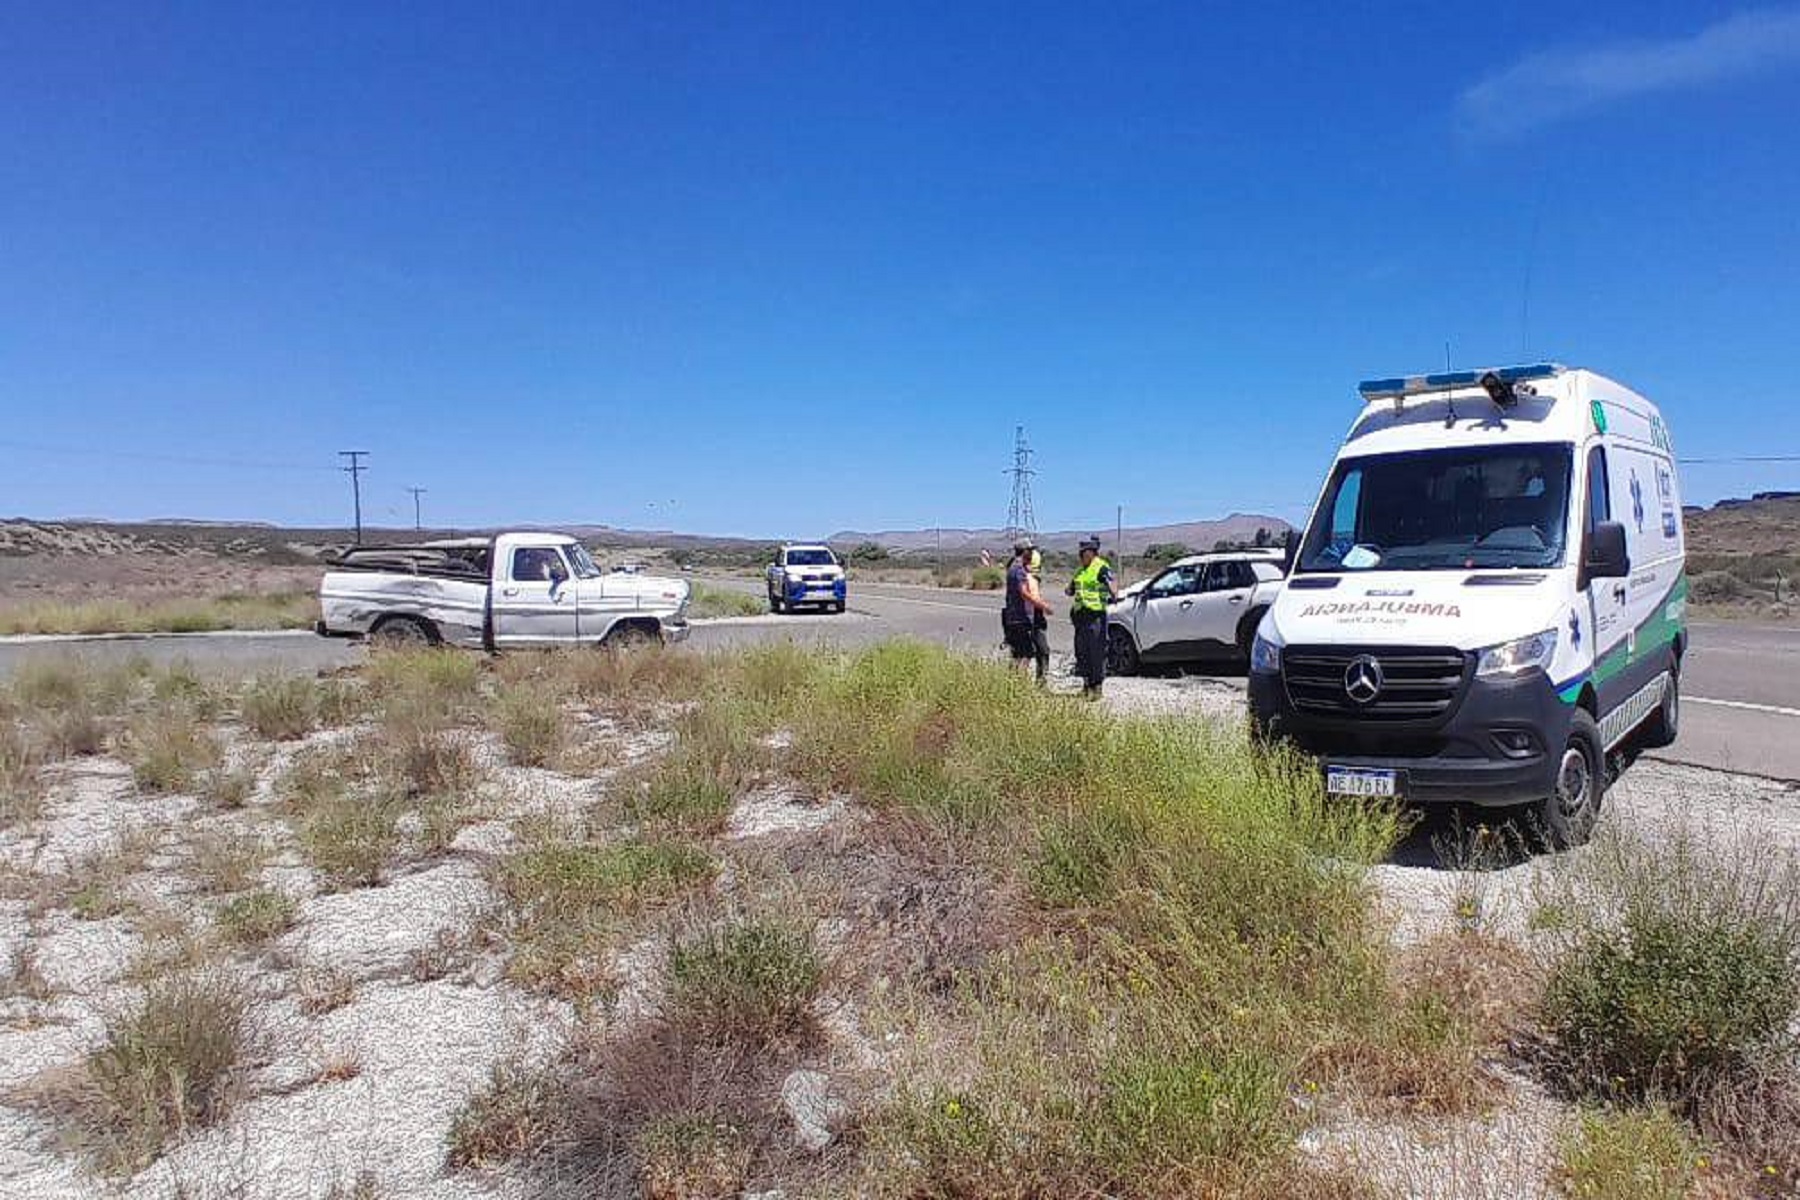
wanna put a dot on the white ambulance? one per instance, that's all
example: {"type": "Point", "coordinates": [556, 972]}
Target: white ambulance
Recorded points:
{"type": "Point", "coordinates": [1489, 599]}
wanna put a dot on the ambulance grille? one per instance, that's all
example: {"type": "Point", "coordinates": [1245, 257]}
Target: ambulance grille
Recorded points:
{"type": "Point", "coordinates": [1417, 684]}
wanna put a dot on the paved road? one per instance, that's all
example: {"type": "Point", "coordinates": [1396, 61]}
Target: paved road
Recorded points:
{"type": "Point", "coordinates": [1741, 688]}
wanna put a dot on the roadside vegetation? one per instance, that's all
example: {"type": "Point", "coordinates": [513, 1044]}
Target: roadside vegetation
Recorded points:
{"type": "Point", "coordinates": [887, 923]}
{"type": "Point", "coordinates": [708, 601]}
{"type": "Point", "coordinates": [199, 614]}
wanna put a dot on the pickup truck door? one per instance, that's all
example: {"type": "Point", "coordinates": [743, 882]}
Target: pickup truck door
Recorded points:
{"type": "Point", "coordinates": [1224, 599]}
{"type": "Point", "coordinates": [534, 598]}
{"type": "Point", "coordinates": [1166, 611]}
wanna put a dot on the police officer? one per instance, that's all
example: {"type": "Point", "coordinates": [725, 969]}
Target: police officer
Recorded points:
{"type": "Point", "coordinates": [1092, 589]}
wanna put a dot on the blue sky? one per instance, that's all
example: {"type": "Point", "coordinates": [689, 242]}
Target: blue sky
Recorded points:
{"type": "Point", "coordinates": [782, 269]}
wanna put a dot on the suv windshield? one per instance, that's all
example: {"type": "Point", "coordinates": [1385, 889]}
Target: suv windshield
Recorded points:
{"type": "Point", "coordinates": [1436, 510]}
{"type": "Point", "coordinates": [810, 558]}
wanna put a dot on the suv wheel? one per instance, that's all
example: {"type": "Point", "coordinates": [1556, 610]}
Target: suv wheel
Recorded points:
{"type": "Point", "coordinates": [1121, 652]}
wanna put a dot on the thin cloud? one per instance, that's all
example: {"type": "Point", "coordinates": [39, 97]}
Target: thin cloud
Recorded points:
{"type": "Point", "coordinates": [1555, 84]}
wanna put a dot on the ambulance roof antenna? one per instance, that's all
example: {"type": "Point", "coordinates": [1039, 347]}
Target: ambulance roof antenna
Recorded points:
{"type": "Point", "coordinates": [1020, 520]}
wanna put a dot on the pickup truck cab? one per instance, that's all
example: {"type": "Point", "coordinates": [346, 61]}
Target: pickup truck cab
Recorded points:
{"type": "Point", "coordinates": [513, 589]}
{"type": "Point", "coordinates": [806, 573]}
{"type": "Point", "coordinates": [1204, 607]}
{"type": "Point", "coordinates": [1490, 598]}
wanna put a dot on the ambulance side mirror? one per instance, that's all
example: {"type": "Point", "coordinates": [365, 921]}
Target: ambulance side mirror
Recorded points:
{"type": "Point", "coordinates": [1606, 554]}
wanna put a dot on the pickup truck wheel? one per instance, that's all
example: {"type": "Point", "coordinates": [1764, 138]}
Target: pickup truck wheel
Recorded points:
{"type": "Point", "coordinates": [401, 631]}
{"type": "Point", "coordinates": [1121, 652]}
{"type": "Point", "coordinates": [774, 602]}
{"type": "Point", "coordinates": [629, 637]}
{"type": "Point", "coordinates": [837, 606]}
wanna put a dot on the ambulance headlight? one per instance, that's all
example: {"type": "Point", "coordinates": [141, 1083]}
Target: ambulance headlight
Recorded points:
{"type": "Point", "coordinates": [1509, 660]}
{"type": "Point", "coordinates": [1265, 649]}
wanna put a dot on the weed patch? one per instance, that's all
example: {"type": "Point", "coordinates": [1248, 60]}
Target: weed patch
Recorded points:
{"type": "Point", "coordinates": [1634, 1154]}
{"type": "Point", "coordinates": [256, 917]}
{"type": "Point", "coordinates": [519, 1113]}
{"type": "Point", "coordinates": [692, 1157]}
{"type": "Point", "coordinates": [532, 726]}
{"type": "Point", "coordinates": [747, 981]}
{"type": "Point", "coordinates": [281, 707]}
{"type": "Point", "coordinates": [169, 750]}
{"type": "Point", "coordinates": [169, 1068]}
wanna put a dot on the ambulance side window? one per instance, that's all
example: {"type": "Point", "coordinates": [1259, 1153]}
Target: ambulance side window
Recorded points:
{"type": "Point", "coordinates": [1599, 505]}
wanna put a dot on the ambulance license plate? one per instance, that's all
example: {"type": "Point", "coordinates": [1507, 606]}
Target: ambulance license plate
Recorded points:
{"type": "Point", "coordinates": [1360, 781]}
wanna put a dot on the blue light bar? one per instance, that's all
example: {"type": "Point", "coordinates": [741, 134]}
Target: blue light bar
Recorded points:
{"type": "Point", "coordinates": [1416, 385]}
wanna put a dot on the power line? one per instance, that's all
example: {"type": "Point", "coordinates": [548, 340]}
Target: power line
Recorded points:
{"type": "Point", "coordinates": [183, 460]}
{"type": "Point", "coordinates": [1746, 458]}
{"type": "Point", "coordinates": [416, 493]}
{"type": "Point", "coordinates": [355, 470]}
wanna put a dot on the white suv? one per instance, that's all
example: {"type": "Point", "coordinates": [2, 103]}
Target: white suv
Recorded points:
{"type": "Point", "coordinates": [1205, 607]}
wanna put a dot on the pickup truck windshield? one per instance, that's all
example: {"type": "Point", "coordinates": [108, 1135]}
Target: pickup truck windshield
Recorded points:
{"type": "Point", "coordinates": [810, 558]}
{"type": "Point", "coordinates": [1439, 510]}
{"type": "Point", "coordinates": [582, 562]}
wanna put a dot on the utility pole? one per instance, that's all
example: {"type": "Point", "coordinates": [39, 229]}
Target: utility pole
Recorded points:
{"type": "Point", "coordinates": [418, 526]}
{"type": "Point", "coordinates": [1119, 539]}
{"type": "Point", "coordinates": [355, 470]}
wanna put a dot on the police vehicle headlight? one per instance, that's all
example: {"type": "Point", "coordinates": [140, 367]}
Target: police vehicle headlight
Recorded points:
{"type": "Point", "coordinates": [1265, 649]}
{"type": "Point", "coordinates": [1509, 660]}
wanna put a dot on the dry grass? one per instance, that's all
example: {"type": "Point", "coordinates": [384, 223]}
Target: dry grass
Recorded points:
{"type": "Point", "coordinates": [228, 860]}
{"type": "Point", "coordinates": [281, 707]}
{"type": "Point", "coordinates": [255, 917]}
{"type": "Point", "coordinates": [519, 1113]}
{"type": "Point", "coordinates": [320, 990]}
{"type": "Point", "coordinates": [531, 725]}
{"type": "Point", "coordinates": [169, 1068]}
{"type": "Point", "coordinates": [692, 1157]}
{"type": "Point", "coordinates": [201, 614]}
{"type": "Point", "coordinates": [169, 749]}
{"type": "Point", "coordinates": [350, 838]}
{"type": "Point", "coordinates": [22, 791]}
{"type": "Point", "coordinates": [708, 602]}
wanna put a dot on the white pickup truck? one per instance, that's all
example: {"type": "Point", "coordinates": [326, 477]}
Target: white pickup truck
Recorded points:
{"type": "Point", "coordinates": [512, 589]}
{"type": "Point", "coordinates": [1203, 607]}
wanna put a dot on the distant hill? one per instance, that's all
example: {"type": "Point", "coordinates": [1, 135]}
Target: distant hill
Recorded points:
{"type": "Point", "coordinates": [1767, 524]}
{"type": "Point", "coordinates": [1198, 535]}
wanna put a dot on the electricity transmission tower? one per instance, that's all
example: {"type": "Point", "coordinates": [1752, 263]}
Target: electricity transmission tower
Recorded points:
{"type": "Point", "coordinates": [1020, 520]}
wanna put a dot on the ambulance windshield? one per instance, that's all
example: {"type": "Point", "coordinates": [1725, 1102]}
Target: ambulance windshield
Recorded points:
{"type": "Point", "coordinates": [1437, 510]}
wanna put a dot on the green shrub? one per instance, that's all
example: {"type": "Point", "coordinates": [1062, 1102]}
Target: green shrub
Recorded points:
{"type": "Point", "coordinates": [350, 838]}
{"type": "Point", "coordinates": [1680, 969]}
{"type": "Point", "coordinates": [281, 707]}
{"type": "Point", "coordinates": [1636, 1154]}
{"type": "Point", "coordinates": [681, 794]}
{"type": "Point", "coordinates": [1719, 587]}
{"type": "Point", "coordinates": [169, 749]}
{"type": "Point", "coordinates": [987, 578]}
{"type": "Point", "coordinates": [170, 1068]}
{"type": "Point", "coordinates": [257, 916]}
{"type": "Point", "coordinates": [532, 726]}
{"type": "Point", "coordinates": [746, 981]}
{"type": "Point", "coordinates": [707, 602]}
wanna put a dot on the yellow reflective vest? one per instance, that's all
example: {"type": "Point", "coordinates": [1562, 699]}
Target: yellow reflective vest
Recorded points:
{"type": "Point", "coordinates": [1090, 593]}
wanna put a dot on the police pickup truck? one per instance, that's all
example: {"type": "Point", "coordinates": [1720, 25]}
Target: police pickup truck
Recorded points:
{"type": "Point", "coordinates": [806, 573]}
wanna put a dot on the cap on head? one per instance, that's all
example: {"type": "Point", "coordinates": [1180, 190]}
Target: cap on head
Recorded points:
{"type": "Point", "coordinates": [1091, 543]}
{"type": "Point", "coordinates": [1022, 545]}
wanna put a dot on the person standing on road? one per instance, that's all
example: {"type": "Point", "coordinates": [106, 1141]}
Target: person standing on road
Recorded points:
{"type": "Point", "coordinates": [1022, 620]}
{"type": "Point", "coordinates": [1092, 589]}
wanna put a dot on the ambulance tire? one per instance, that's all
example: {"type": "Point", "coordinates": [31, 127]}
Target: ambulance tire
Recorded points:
{"type": "Point", "coordinates": [1565, 819]}
{"type": "Point", "coordinates": [1665, 722]}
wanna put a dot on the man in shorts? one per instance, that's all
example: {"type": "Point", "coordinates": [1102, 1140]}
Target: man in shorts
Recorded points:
{"type": "Point", "coordinates": [1023, 620]}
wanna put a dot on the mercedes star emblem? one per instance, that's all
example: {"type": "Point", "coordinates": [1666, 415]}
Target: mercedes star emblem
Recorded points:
{"type": "Point", "coordinates": [1362, 679]}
